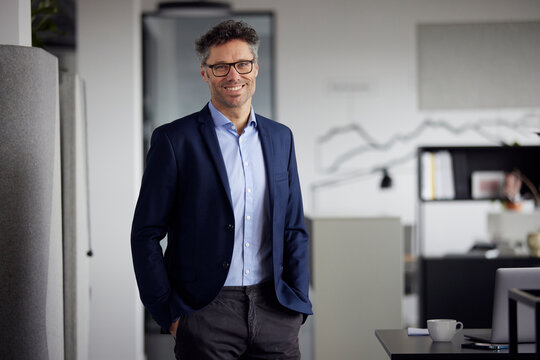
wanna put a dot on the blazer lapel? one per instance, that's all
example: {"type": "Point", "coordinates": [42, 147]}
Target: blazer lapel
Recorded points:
{"type": "Point", "coordinates": [208, 133]}
{"type": "Point", "coordinates": [268, 153]}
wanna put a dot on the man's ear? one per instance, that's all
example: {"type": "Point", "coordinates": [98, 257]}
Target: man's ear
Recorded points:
{"type": "Point", "coordinates": [256, 69]}
{"type": "Point", "coordinates": [204, 74]}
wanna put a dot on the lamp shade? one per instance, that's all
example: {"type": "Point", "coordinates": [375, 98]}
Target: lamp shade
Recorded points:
{"type": "Point", "coordinates": [386, 181]}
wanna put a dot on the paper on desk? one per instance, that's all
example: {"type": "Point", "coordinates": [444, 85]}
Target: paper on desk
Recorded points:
{"type": "Point", "coordinates": [417, 332]}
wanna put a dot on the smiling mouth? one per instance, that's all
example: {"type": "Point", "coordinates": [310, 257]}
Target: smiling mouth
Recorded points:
{"type": "Point", "coordinates": [233, 88]}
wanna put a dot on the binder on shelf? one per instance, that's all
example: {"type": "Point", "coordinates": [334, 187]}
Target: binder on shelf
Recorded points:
{"type": "Point", "coordinates": [462, 186]}
{"type": "Point", "coordinates": [427, 183]}
{"type": "Point", "coordinates": [437, 176]}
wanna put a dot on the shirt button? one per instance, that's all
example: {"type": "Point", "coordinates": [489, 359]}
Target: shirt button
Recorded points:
{"type": "Point", "coordinates": [247, 244]}
{"type": "Point", "coordinates": [249, 190]}
{"type": "Point", "coordinates": [248, 217]}
{"type": "Point", "coordinates": [245, 163]}
{"type": "Point", "coordinates": [246, 272]}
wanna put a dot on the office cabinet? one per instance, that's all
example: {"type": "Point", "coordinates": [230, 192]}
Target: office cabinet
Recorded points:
{"type": "Point", "coordinates": [462, 287]}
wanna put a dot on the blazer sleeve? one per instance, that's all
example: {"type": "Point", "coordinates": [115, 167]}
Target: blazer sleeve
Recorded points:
{"type": "Point", "coordinates": [296, 252]}
{"type": "Point", "coordinates": [150, 225]}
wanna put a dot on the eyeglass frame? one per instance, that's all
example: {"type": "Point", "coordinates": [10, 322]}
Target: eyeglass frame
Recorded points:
{"type": "Point", "coordinates": [233, 64]}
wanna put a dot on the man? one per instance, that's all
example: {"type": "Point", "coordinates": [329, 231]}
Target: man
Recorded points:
{"type": "Point", "coordinates": [223, 185]}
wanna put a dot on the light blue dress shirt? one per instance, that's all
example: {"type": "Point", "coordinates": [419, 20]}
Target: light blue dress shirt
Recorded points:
{"type": "Point", "coordinates": [252, 259]}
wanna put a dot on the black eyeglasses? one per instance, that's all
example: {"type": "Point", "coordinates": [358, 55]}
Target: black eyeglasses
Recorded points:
{"type": "Point", "coordinates": [222, 69]}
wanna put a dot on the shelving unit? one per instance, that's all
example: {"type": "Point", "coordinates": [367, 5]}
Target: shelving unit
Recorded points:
{"type": "Point", "coordinates": [465, 160]}
{"type": "Point", "coordinates": [468, 159]}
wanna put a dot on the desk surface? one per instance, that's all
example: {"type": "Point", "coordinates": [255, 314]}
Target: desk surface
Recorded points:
{"type": "Point", "coordinates": [399, 346]}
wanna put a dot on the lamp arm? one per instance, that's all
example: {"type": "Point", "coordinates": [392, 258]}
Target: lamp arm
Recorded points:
{"type": "Point", "coordinates": [530, 185]}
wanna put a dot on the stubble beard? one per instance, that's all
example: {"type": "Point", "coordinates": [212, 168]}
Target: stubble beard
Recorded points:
{"type": "Point", "coordinates": [221, 97]}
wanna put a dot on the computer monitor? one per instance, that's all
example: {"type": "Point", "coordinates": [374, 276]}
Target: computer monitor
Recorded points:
{"type": "Point", "coordinates": [513, 278]}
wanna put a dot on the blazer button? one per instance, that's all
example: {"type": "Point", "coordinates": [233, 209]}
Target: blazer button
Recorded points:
{"type": "Point", "coordinates": [230, 227]}
{"type": "Point", "coordinates": [226, 265]}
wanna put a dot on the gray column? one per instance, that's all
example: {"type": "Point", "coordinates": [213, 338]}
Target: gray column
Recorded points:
{"type": "Point", "coordinates": [30, 210]}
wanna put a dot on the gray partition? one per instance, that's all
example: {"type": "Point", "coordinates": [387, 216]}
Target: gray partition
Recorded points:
{"type": "Point", "coordinates": [75, 217]}
{"type": "Point", "coordinates": [30, 206]}
{"type": "Point", "coordinates": [357, 278]}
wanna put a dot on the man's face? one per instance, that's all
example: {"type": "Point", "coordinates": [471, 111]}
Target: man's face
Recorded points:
{"type": "Point", "coordinates": [233, 90]}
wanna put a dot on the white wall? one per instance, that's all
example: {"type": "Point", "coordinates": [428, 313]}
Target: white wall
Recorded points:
{"type": "Point", "coordinates": [16, 23]}
{"type": "Point", "coordinates": [321, 44]}
{"type": "Point", "coordinates": [108, 46]}
{"type": "Point", "coordinates": [371, 45]}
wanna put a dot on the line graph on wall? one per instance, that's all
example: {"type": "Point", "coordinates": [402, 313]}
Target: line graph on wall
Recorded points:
{"type": "Point", "coordinates": [341, 164]}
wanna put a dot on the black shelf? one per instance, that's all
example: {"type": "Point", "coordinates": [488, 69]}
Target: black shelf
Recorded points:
{"type": "Point", "coordinates": [468, 159]}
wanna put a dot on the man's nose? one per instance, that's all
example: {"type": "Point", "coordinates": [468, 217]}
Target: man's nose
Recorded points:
{"type": "Point", "coordinates": [233, 74]}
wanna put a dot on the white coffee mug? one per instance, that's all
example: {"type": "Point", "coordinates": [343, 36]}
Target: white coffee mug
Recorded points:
{"type": "Point", "coordinates": [443, 329]}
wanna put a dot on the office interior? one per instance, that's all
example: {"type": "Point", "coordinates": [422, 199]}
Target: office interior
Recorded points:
{"type": "Point", "coordinates": [368, 87]}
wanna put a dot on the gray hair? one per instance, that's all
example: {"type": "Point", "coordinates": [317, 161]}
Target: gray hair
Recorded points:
{"type": "Point", "coordinates": [224, 32]}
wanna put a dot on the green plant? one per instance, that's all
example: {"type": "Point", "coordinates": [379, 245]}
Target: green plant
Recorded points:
{"type": "Point", "coordinates": [43, 15]}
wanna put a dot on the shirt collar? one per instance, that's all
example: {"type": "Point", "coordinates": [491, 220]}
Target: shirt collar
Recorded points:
{"type": "Point", "coordinates": [221, 120]}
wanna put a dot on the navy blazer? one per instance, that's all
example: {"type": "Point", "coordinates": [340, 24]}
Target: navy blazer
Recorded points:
{"type": "Point", "coordinates": [185, 195]}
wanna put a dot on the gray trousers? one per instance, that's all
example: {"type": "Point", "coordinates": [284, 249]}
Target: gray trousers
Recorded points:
{"type": "Point", "coordinates": [243, 322]}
